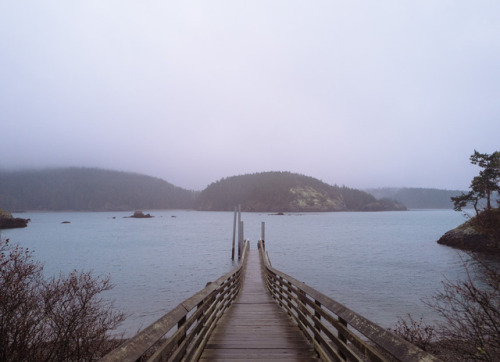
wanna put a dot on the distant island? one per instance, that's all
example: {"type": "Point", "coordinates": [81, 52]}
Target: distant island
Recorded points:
{"type": "Point", "coordinates": [286, 192]}
{"type": "Point", "coordinates": [92, 189]}
{"type": "Point", "coordinates": [417, 198]}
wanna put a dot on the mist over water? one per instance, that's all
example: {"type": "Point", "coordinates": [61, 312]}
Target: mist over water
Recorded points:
{"type": "Point", "coordinates": [378, 264]}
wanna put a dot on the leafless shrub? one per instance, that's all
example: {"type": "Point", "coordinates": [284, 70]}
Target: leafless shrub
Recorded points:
{"type": "Point", "coordinates": [60, 319]}
{"type": "Point", "coordinates": [470, 326]}
{"type": "Point", "coordinates": [20, 281]}
{"type": "Point", "coordinates": [416, 332]}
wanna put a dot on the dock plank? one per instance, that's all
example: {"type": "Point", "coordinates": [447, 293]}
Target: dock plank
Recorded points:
{"type": "Point", "coordinates": [255, 328]}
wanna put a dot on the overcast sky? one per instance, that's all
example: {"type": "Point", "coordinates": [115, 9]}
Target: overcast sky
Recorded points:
{"type": "Point", "coordinates": [356, 93]}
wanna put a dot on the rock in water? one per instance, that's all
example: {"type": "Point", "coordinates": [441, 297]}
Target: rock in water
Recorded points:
{"type": "Point", "coordinates": [466, 237]}
{"type": "Point", "coordinates": [140, 215]}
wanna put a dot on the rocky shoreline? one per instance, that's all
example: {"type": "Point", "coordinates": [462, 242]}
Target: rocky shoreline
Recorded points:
{"type": "Point", "coordinates": [467, 237]}
{"type": "Point", "coordinates": [7, 221]}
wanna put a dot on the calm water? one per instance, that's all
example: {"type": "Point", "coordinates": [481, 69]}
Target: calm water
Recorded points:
{"type": "Point", "coordinates": [378, 264]}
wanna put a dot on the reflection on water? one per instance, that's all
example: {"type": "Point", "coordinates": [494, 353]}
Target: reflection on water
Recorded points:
{"type": "Point", "coordinates": [378, 264]}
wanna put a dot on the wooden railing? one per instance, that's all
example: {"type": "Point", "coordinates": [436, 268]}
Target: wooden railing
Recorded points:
{"type": "Point", "coordinates": [337, 333]}
{"type": "Point", "coordinates": [183, 332]}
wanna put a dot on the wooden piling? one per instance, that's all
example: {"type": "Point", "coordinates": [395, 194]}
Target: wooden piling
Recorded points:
{"type": "Point", "coordinates": [240, 239]}
{"type": "Point", "coordinates": [263, 233]}
{"type": "Point", "coordinates": [234, 232]}
{"type": "Point", "coordinates": [240, 232]}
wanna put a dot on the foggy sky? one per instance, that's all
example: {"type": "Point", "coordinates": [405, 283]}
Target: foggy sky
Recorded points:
{"type": "Point", "coordinates": [362, 94]}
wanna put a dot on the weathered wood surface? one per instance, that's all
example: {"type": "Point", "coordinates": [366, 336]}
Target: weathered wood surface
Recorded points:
{"type": "Point", "coordinates": [255, 328]}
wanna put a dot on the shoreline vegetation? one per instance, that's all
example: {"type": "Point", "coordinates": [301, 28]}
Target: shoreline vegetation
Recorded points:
{"type": "Point", "coordinates": [470, 309]}
{"type": "Point", "coordinates": [480, 233]}
{"type": "Point", "coordinates": [58, 318]}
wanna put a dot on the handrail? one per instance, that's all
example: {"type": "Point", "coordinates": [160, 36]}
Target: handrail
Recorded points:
{"type": "Point", "coordinates": [336, 332]}
{"type": "Point", "coordinates": [183, 332]}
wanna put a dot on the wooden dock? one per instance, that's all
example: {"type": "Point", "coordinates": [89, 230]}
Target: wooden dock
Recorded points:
{"type": "Point", "coordinates": [255, 327]}
{"type": "Point", "coordinates": [256, 312]}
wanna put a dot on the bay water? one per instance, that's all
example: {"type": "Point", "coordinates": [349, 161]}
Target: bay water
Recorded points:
{"type": "Point", "coordinates": [380, 264]}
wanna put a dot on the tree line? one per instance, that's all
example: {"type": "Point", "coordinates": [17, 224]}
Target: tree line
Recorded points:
{"type": "Point", "coordinates": [88, 189]}
{"type": "Point", "coordinates": [418, 197]}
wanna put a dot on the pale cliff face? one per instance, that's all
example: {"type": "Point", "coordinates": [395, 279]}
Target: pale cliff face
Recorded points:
{"type": "Point", "coordinates": [308, 198]}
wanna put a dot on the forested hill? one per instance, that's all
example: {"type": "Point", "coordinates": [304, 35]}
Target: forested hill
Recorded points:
{"type": "Point", "coordinates": [286, 192]}
{"type": "Point", "coordinates": [418, 198]}
{"type": "Point", "coordinates": [91, 189]}
{"type": "Point", "coordinates": [88, 189]}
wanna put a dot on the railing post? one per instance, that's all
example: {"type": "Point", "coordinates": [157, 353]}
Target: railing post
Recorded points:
{"type": "Point", "coordinates": [290, 290]}
{"type": "Point", "coordinates": [202, 315]}
{"type": "Point", "coordinates": [302, 305]}
{"type": "Point", "coordinates": [180, 323]}
{"type": "Point", "coordinates": [280, 286]}
{"type": "Point", "coordinates": [342, 338]}
{"type": "Point", "coordinates": [317, 325]}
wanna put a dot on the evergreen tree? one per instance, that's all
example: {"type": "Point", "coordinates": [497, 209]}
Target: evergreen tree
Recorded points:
{"type": "Point", "coordinates": [484, 185]}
